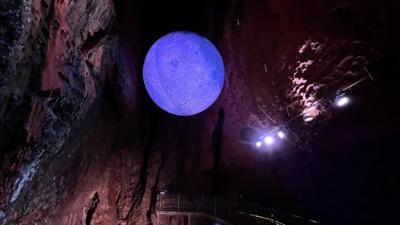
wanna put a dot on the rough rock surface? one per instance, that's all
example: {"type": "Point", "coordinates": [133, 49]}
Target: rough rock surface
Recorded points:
{"type": "Point", "coordinates": [82, 143]}
{"type": "Point", "coordinates": [55, 59]}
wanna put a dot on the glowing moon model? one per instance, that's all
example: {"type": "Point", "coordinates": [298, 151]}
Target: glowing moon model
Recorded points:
{"type": "Point", "coordinates": [183, 73]}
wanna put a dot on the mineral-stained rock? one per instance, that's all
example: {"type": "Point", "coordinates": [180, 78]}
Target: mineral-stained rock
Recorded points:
{"type": "Point", "coordinates": [55, 59]}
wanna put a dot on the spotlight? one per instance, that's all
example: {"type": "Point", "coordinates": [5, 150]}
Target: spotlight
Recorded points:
{"type": "Point", "coordinates": [258, 144]}
{"type": "Point", "coordinates": [281, 134]}
{"type": "Point", "coordinates": [310, 114]}
{"type": "Point", "coordinates": [268, 140]}
{"type": "Point", "coordinates": [342, 101]}
{"type": "Point", "coordinates": [307, 117]}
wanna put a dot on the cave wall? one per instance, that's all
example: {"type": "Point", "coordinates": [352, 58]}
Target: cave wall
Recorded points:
{"type": "Point", "coordinates": [56, 56]}
{"type": "Point", "coordinates": [81, 141]}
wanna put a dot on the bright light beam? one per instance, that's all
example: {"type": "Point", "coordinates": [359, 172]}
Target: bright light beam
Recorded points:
{"type": "Point", "coordinates": [342, 101]}
{"type": "Point", "coordinates": [268, 140]}
{"type": "Point", "coordinates": [281, 134]}
{"type": "Point", "coordinates": [308, 118]}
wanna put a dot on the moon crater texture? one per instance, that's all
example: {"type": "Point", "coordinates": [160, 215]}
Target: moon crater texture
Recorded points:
{"type": "Point", "coordinates": [183, 73]}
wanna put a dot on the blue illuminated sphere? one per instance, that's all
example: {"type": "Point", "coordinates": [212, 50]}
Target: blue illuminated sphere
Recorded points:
{"type": "Point", "coordinates": [183, 73]}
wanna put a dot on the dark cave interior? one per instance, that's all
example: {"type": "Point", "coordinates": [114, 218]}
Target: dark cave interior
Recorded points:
{"type": "Point", "coordinates": [81, 141]}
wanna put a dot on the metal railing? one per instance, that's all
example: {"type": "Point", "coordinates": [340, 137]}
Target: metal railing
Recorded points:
{"type": "Point", "coordinates": [213, 206]}
{"type": "Point", "coordinates": [226, 210]}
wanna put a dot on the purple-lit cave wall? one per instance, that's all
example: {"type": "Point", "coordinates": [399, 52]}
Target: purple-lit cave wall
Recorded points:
{"type": "Point", "coordinates": [82, 142]}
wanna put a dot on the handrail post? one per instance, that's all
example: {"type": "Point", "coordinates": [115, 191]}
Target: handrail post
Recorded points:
{"type": "Point", "coordinates": [178, 204]}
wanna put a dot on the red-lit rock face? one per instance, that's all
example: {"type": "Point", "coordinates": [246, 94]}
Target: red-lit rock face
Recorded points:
{"type": "Point", "coordinates": [59, 57]}
{"type": "Point", "coordinates": [83, 143]}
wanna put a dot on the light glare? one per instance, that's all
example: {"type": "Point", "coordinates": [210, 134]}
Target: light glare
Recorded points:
{"type": "Point", "coordinates": [268, 140]}
{"type": "Point", "coordinates": [342, 101]}
{"type": "Point", "coordinates": [308, 118]}
{"type": "Point", "coordinates": [281, 134]}
{"type": "Point", "coordinates": [310, 114]}
{"type": "Point", "coordinates": [258, 144]}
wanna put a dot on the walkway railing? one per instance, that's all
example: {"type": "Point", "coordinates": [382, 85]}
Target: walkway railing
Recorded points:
{"type": "Point", "coordinates": [225, 210]}
{"type": "Point", "coordinates": [213, 206]}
